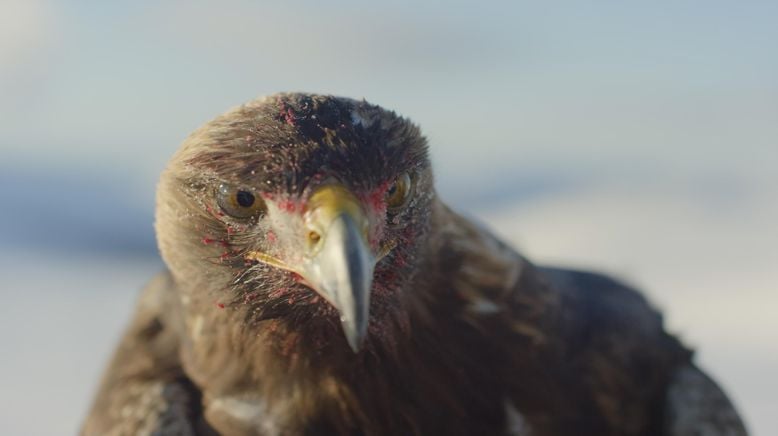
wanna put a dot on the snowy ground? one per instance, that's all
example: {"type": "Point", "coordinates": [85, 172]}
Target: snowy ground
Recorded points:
{"type": "Point", "coordinates": [713, 274]}
{"type": "Point", "coordinates": [60, 318]}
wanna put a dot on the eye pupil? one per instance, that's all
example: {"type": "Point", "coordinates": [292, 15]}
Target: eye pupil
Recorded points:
{"type": "Point", "coordinates": [239, 203]}
{"type": "Point", "coordinates": [244, 199]}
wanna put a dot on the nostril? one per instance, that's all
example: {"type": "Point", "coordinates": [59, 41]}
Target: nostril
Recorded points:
{"type": "Point", "coordinates": [314, 237]}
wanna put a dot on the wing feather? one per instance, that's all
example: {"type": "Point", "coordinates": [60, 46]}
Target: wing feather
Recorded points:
{"type": "Point", "coordinates": [144, 390]}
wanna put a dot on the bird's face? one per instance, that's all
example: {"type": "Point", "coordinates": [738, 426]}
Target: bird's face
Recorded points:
{"type": "Point", "coordinates": [299, 207]}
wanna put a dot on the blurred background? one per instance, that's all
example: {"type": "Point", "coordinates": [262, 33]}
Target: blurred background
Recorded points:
{"type": "Point", "coordinates": [637, 139]}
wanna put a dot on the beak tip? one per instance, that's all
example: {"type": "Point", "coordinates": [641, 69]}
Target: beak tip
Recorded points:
{"type": "Point", "coordinates": [355, 345]}
{"type": "Point", "coordinates": [355, 334]}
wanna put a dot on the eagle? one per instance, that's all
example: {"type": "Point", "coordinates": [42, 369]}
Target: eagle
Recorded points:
{"type": "Point", "coordinates": [317, 285]}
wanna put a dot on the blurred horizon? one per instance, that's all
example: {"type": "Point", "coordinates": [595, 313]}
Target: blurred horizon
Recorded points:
{"type": "Point", "coordinates": [636, 139]}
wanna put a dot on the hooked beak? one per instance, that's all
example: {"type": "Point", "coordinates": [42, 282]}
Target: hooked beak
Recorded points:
{"type": "Point", "coordinates": [338, 263]}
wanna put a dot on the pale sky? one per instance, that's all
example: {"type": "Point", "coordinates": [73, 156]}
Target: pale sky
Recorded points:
{"type": "Point", "coordinates": [507, 89]}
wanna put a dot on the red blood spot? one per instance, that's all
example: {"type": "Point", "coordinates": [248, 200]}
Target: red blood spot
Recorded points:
{"type": "Point", "coordinates": [279, 292]}
{"type": "Point", "coordinates": [215, 213]}
{"type": "Point", "coordinates": [376, 199]}
{"type": "Point", "coordinates": [287, 205]}
{"type": "Point", "coordinates": [220, 305]}
{"type": "Point", "coordinates": [271, 236]}
{"type": "Point", "coordinates": [400, 261]}
{"type": "Point", "coordinates": [207, 240]}
{"type": "Point", "coordinates": [285, 113]}
{"type": "Point", "coordinates": [288, 117]}
{"type": "Point", "coordinates": [388, 276]}
{"type": "Point", "coordinates": [248, 298]}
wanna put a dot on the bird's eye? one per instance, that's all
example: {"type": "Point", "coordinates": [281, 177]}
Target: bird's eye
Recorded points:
{"type": "Point", "coordinates": [399, 193]}
{"type": "Point", "coordinates": [239, 203]}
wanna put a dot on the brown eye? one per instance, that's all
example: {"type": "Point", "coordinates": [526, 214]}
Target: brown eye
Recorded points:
{"type": "Point", "coordinates": [239, 203]}
{"type": "Point", "coordinates": [399, 193]}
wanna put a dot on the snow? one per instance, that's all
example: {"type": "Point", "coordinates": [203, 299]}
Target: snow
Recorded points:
{"type": "Point", "coordinates": [60, 318]}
